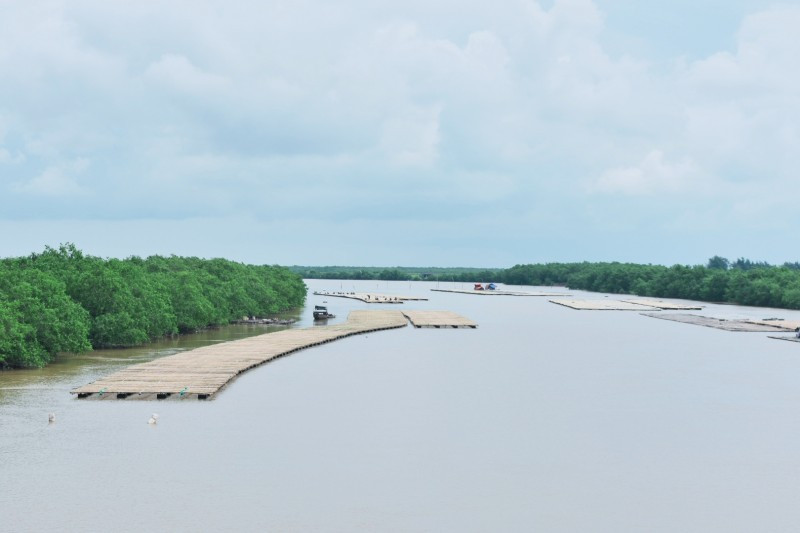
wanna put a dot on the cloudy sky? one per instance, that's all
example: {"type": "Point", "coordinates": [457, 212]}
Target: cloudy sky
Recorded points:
{"type": "Point", "coordinates": [364, 132]}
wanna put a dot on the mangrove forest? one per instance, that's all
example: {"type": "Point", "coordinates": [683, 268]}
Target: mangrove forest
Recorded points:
{"type": "Point", "coordinates": [62, 301]}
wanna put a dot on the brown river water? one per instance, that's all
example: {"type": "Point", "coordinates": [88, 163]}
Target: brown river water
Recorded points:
{"type": "Point", "coordinates": [542, 419]}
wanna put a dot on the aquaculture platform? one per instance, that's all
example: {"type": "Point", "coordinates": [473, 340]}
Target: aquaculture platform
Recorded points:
{"type": "Point", "coordinates": [603, 305]}
{"type": "Point", "coordinates": [791, 339]}
{"type": "Point", "coordinates": [499, 292]}
{"type": "Point", "coordinates": [661, 304]}
{"type": "Point", "coordinates": [786, 325]}
{"type": "Point", "coordinates": [371, 297]}
{"type": "Point", "coordinates": [202, 372]}
{"type": "Point", "coordinates": [718, 323]}
{"type": "Point", "coordinates": [438, 319]}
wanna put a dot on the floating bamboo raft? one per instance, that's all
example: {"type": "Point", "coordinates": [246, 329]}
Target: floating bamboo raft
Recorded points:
{"type": "Point", "coordinates": [661, 304]}
{"type": "Point", "coordinates": [603, 305]}
{"type": "Point", "coordinates": [499, 292]}
{"type": "Point", "coordinates": [202, 372]}
{"type": "Point", "coordinates": [791, 339]}
{"type": "Point", "coordinates": [718, 323]}
{"type": "Point", "coordinates": [788, 325]}
{"type": "Point", "coordinates": [371, 297]}
{"type": "Point", "coordinates": [438, 319]}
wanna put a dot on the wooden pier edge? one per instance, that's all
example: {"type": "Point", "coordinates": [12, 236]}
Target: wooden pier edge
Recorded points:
{"type": "Point", "coordinates": [145, 380]}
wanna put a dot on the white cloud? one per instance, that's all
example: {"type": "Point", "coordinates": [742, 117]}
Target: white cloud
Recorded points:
{"type": "Point", "coordinates": [412, 137]}
{"type": "Point", "coordinates": [178, 73]}
{"type": "Point", "coordinates": [228, 107]}
{"type": "Point", "coordinates": [653, 175]}
{"type": "Point", "coordinates": [57, 180]}
{"type": "Point", "coordinates": [6, 157]}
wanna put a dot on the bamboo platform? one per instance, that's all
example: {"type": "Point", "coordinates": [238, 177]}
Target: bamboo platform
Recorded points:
{"type": "Point", "coordinates": [202, 372]}
{"type": "Point", "coordinates": [717, 323]}
{"type": "Point", "coordinates": [603, 305]}
{"type": "Point", "coordinates": [438, 319]}
{"type": "Point", "coordinates": [790, 339]}
{"type": "Point", "coordinates": [667, 306]}
{"type": "Point", "coordinates": [372, 297]}
{"type": "Point", "coordinates": [787, 325]}
{"type": "Point", "coordinates": [500, 292]}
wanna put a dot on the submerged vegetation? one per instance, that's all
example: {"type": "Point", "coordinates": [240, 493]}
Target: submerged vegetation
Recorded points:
{"type": "Point", "coordinates": [741, 282]}
{"type": "Point", "coordinates": [64, 301]}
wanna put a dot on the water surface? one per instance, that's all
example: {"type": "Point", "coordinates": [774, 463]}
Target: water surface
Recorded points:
{"type": "Point", "coordinates": [542, 419]}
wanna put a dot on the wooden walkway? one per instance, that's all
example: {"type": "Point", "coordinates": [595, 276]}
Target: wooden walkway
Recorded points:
{"type": "Point", "coordinates": [787, 325]}
{"type": "Point", "coordinates": [499, 292]}
{"type": "Point", "coordinates": [202, 372]}
{"type": "Point", "coordinates": [603, 305]}
{"type": "Point", "coordinates": [718, 323]}
{"type": "Point", "coordinates": [661, 304]}
{"type": "Point", "coordinates": [791, 339]}
{"type": "Point", "coordinates": [372, 297]}
{"type": "Point", "coordinates": [438, 319]}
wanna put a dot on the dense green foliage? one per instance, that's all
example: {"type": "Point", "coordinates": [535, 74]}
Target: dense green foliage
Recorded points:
{"type": "Point", "coordinates": [741, 282]}
{"type": "Point", "coordinates": [64, 301]}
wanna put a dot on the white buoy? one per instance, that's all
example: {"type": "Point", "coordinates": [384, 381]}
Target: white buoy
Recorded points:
{"type": "Point", "coordinates": [51, 417]}
{"type": "Point", "coordinates": [153, 418]}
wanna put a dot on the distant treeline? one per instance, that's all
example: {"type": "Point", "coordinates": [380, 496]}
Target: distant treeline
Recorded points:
{"type": "Point", "coordinates": [741, 282]}
{"type": "Point", "coordinates": [64, 301]}
{"type": "Point", "coordinates": [396, 273]}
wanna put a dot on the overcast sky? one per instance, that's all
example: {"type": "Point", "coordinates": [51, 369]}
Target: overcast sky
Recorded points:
{"type": "Point", "coordinates": [363, 132]}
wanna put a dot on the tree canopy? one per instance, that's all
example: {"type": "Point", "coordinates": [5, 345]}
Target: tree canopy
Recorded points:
{"type": "Point", "coordinates": [62, 301]}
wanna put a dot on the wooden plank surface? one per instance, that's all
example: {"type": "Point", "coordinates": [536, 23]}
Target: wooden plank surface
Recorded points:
{"type": "Point", "coordinates": [718, 323]}
{"type": "Point", "coordinates": [603, 305]}
{"type": "Point", "coordinates": [791, 339]}
{"type": "Point", "coordinates": [203, 371]}
{"type": "Point", "coordinates": [788, 325]}
{"type": "Point", "coordinates": [438, 319]}
{"type": "Point", "coordinates": [661, 304]}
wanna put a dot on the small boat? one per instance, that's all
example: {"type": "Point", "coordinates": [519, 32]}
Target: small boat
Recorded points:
{"type": "Point", "coordinates": [321, 313]}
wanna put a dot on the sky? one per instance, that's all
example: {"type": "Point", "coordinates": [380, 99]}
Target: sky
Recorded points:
{"type": "Point", "coordinates": [414, 133]}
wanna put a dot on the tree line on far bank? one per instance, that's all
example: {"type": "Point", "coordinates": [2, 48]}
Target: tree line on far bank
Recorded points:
{"type": "Point", "coordinates": [64, 301]}
{"type": "Point", "coordinates": [742, 281]}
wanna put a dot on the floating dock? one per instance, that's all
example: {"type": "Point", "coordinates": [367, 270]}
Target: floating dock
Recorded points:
{"type": "Point", "coordinates": [497, 292]}
{"type": "Point", "coordinates": [603, 305]}
{"type": "Point", "coordinates": [202, 372]}
{"type": "Point", "coordinates": [667, 306]}
{"type": "Point", "coordinates": [718, 323]}
{"type": "Point", "coordinates": [371, 297]}
{"type": "Point", "coordinates": [438, 319]}
{"type": "Point", "coordinates": [791, 339]}
{"type": "Point", "coordinates": [787, 325]}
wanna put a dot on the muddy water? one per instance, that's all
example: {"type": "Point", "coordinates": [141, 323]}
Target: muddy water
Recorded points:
{"type": "Point", "coordinates": [542, 419]}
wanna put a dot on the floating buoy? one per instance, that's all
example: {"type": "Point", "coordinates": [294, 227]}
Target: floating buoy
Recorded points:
{"type": "Point", "coordinates": [51, 417]}
{"type": "Point", "coordinates": [153, 418]}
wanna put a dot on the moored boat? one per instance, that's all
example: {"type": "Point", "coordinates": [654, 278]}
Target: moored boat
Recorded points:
{"type": "Point", "coordinates": [321, 313]}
